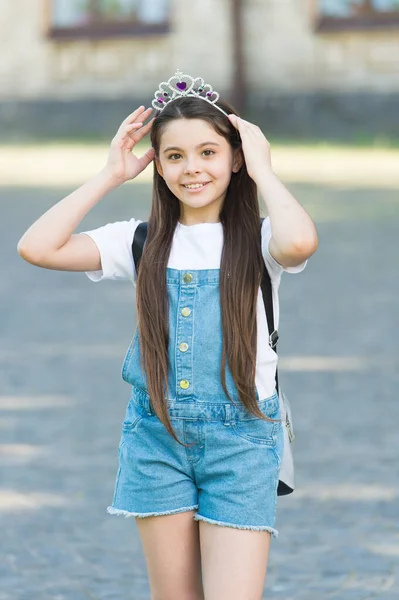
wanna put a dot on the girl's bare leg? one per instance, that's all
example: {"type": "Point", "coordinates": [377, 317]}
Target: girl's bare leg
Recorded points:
{"type": "Point", "coordinates": [234, 562]}
{"type": "Point", "coordinates": [172, 552]}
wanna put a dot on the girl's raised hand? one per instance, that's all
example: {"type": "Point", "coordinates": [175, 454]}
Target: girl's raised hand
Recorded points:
{"type": "Point", "coordinates": [255, 147]}
{"type": "Point", "coordinates": [122, 164]}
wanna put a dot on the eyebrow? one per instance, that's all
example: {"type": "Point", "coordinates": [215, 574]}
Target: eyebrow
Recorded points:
{"type": "Point", "coordinates": [169, 148]}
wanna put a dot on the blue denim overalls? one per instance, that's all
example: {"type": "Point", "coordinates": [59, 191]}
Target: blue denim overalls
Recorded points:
{"type": "Point", "coordinates": [230, 474]}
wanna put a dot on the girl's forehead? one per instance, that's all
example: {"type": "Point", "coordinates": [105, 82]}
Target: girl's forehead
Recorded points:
{"type": "Point", "coordinates": [189, 132]}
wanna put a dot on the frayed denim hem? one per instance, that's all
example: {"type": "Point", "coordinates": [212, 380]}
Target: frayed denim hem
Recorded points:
{"type": "Point", "coordinates": [274, 532]}
{"type": "Point", "coordinates": [124, 513]}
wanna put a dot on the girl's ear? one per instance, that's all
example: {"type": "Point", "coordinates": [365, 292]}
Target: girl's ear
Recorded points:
{"type": "Point", "coordinates": [159, 168]}
{"type": "Point", "coordinates": [238, 160]}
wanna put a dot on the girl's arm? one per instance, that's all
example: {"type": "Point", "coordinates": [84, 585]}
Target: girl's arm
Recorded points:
{"type": "Point", "coordinates": [294, 236]}
{"type": "Point", "coordinates": [50, 242]}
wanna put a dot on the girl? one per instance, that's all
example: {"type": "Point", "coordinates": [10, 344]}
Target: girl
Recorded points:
{"type": "Point", "coordinates": [202, 436]}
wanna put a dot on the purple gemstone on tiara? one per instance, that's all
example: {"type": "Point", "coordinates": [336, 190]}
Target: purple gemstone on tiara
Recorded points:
{"type": "Point", "coordinates": [209, 94]}
{"type": "Point", "coordinates": [200, 89]}
{"type": "Point", "coordinates": [166, 94]}
{"type": "Point", "coordinates": [181, 85]}
{"type": "Point", "coordinates": [160, 100]}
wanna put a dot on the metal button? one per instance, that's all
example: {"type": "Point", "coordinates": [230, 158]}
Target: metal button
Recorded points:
{"type": "Point", "coordinates": [184, 384]}
{"type": "Point", "coordinates": [186, 312]}
{"type": "Point", "coordinates": [183, 347]}
{"type": "Point", "coordinates": [187, 278]}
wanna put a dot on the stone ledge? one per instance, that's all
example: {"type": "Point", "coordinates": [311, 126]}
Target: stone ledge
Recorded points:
{"type": "Point", "coordinates": [320, 115]}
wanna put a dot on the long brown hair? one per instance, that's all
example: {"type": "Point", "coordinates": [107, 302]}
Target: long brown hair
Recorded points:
{"type": "Point", "coordinates": [240, 269]}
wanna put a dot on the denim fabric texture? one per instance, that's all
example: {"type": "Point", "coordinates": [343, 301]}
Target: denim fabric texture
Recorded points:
{"type": "Point", "coordinates": [230, 475]}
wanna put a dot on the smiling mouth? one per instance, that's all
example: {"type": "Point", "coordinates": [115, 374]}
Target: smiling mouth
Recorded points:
{"type": "Point", "coordinates": [195, 186]}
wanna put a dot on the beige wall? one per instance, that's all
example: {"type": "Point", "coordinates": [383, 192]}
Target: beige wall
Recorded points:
{"type": "Point", "coordinates": [283, 53]}
{"type": "Point", "coordinates": [34, 66]}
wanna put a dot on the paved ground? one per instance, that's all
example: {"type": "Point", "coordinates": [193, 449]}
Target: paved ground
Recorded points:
{"type": "Point", "coordinates": [62, 402]}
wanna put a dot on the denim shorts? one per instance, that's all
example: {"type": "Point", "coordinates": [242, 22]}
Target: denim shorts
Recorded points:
{"type": "Point", "coordinates": [229, 476]}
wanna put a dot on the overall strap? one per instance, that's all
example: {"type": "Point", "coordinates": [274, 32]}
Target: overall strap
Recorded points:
{"type": "Point", "coordinates": [266, 286]}
{"type": "Point", "coordinates": [267, 294]}
{"type": "Point", "coordinates": [138, 243]}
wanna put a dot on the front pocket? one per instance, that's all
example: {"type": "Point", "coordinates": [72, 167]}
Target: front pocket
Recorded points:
{"type": "Point", "coordinates": [259, 431]}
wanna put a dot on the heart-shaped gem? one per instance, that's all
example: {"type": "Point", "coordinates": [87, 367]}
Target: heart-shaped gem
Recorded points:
{"type": "Point", "coordinates": [198, 85]}
{"type": "Point", "coordinates": [162, 96]}
{"type": "Point", "coordinates": [181, 84]}
{"type": "Point", "coordinates": [210, 94]}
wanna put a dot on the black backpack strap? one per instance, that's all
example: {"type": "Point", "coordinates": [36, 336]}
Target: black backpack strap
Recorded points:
{"type": "Point", "coordinates": [139, 238]}
{"type": "Point", "coordinates": [267, 294]}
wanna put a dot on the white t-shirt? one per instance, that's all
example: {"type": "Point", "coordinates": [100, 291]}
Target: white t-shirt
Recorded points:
{"type": "Point", "coordinates": [195, 247]}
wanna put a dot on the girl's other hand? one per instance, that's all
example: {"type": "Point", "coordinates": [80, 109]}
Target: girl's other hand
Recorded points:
{"type": "Point", "coordinates": [122, 164]}
{"type": "Point", "coordinates": [255, 147]}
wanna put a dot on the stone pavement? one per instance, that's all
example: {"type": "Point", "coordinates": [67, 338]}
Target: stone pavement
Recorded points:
{"type": "Point", "coordinates": [62, 342]}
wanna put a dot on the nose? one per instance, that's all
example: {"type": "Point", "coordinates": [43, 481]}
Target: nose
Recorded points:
{"type": "Point", "coordinates": [192, 166]}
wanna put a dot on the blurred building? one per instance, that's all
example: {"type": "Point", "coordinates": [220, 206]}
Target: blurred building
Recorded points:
{"type": "Point", "coordinates": [305, 66]}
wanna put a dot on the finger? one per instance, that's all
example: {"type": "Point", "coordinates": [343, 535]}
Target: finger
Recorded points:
{"type": "Point", "coordinates": [133, 136]}
{"type": "Point", "coordinates": [249, 133]}
{"type": "Point", "coordinates": [132, 126]}
{"type": "Point", "coordinates": [131, 130]}
{"type": "Point", "coordinates": [147, 113]}
{"type": "Point", "coordinates": [234, 120]}
{"type": "Point", "coordinates": [242, 123]}
{"type": "Point", "coordinates": [143, 131]}
{"type": "Point", "coordinates": [127, 130]}
{"type": "Point", "coordinates": [145, 160]}
{"type": "Point", "coordinates": [130, 118]}
{"type": "Point", "coordinates": [252, 127]}
{"type": "Point", "coordinates": [140, 114]}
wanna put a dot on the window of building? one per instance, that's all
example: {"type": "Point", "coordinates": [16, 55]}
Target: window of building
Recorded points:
{"type": "Point", "coordinates": [106, 18]}
{"type": "Point", "coordinates": [358, 14]}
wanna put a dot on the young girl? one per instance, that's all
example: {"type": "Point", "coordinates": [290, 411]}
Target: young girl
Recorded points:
{"type": "Point", "coordinates": [201, 442]}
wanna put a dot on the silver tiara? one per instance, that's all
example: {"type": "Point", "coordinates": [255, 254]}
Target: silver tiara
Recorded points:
{"type": "Point", "coordinates": [180, 86]}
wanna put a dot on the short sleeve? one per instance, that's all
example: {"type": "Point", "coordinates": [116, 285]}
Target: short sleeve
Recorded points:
{"type": "Point", "coordinates": [114, 243]}
{"type": "Point", "coordinates": [274, 268]}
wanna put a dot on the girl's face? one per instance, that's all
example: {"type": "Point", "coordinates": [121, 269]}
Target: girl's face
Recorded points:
{"type": "Point", "coordinates": [196, 164]}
